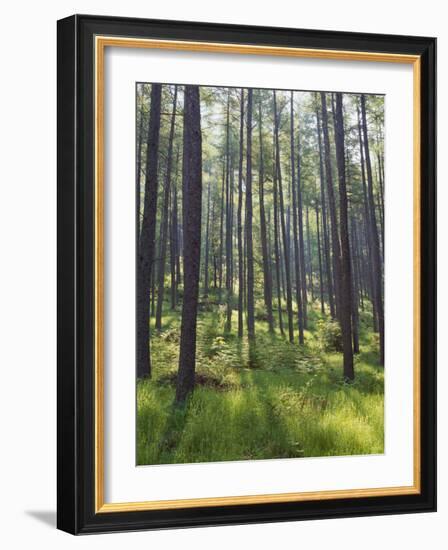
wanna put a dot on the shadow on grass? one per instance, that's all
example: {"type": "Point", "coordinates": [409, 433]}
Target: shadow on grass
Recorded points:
{"type": "Point", "coordinates": [173, 432]}
{"type": "Point", "coordinates": [293, 402]}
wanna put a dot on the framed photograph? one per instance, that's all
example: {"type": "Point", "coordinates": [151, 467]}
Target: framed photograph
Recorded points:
{"type": "Point", "coordinates": [246, 274]}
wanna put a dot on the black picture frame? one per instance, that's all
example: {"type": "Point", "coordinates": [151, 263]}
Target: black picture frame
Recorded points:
{"type": "Point", "coordinates": [76, 396]}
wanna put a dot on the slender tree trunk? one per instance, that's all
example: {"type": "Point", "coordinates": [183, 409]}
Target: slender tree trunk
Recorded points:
{"type": "Point", "coordinates": [381, 198]}
{"type": "Point", "coordinates": [138, 168]}
{"type": "Point", "coordinates": [191, 203]}
{"type": "Point", "coordinates": [321, 286]}
{"type": "Point", "coordinates": [221, 234]}
{"type": "Point", "coordinates": [232, 223]}
{"type": "Point", "coordinates": [368, 226]}
{"type": "Point", "coordinates": [283, 228]}
{"type": "Point", "coordinates": [174, 245]}
{"type": "Point", "coordinates": [298, 285]}
{"type": "Point", "coordinates": [326, 238]}
{"type": "Point", "coordinates": [355, 287]}
{"type": "Point", "coordinates": [331, 201]}
{"type": "Point", "coordinates": [276, 240]}
{"type": "Point", "coordinates": [240, 223]}
{"type": "Point", "coordinates": [207, 244]}
{"type": "Point", "coordinates": [358, 264]}
{"type": "Point", "coordinates": [229, 297]}
{"type": "Point", "coordinates": [245, 260]}
{"type": "Point", "coordinates": [215, 272]}
{"type": "Point", "coordinates": [249, 214]}
{"type": "Point", "coordinates": [282, 257]}
{"type": "Point", "coordinates": [152, 310]}
{"type": "Point", "coordinates": [165, 216]}
{"type": "Point", "coordinates": [345, 265]}
{"type": "Point", "coordinates": [309, 254]}
{"type": "Point", "coordinates": [301, 237]}
{"type": "Point", "coordinates": [353, 272]}
{"type": "Point", "coordinates": [264, 245]}
{"type": "Point", "coordinates": [147, 236]}
{"type": "Point", "coordinates": [377, 265]}
{"type": "Point", "coordinates": [180, 249]}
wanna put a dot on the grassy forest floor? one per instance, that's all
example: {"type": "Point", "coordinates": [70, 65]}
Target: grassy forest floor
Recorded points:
{"type": "Point", "coordinates": [290, 401]}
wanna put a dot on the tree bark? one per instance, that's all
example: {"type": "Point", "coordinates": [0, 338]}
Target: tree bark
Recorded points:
{"type": "Point", "coordinates": [138, 168]}
{"type": "Point", "coordinates": [283, 227]}
{"type": "Point", "coordinates": [326, 238]}
{"type": "Point", "coordinates": [345, 302]}
{"type": "Point", "coordinates": [147, 236]}
{"type": "Point", "coordinates": [301, 237]}
{"type": "Point", "coordinates": [309, 254]}
{"type": "Point", "coordinates": [377, 265]}
{"type": "Point", "coordinates": [331, 201]}
{"type": "Point", "coordinates": [221, 234]}
{"type": "Point", "coordinates": [368, 230]}
{"type": "Point", "coordinates": [207, 244]}
{"type": "Point", "coordinates": [174, 246]}
{"type": "Point", "coordinates": [240, 222]}
{"type": "Point", "coordinates": [267, 276]}
{"type": "Point", "coordinates": [229, 297]}
{"type": "Point", "coordinates": [249, 214]}
{"type": "Point", "coordinates": [321, 286]}
{"type": "Point", "coordinates": [298, 284]}
{"type": "Point", "coordinates": [165, 215]}
{"type": "Point", "coordinates": [192, 204]}
{"type": "Point", "coordinates": [355, 286]}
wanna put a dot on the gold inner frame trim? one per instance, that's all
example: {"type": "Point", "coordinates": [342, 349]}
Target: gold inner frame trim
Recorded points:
{"type": "Point", "coordinates": [101, 42]}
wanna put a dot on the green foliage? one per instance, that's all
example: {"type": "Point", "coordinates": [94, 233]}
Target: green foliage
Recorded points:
{"type": "Point", "coordinates": [329, 335]}
{"type": "Point", "coordinates": [287, 402]}
{"type": "Point", "coordinates": [260, 311]}
{"type": "Point", "coordinates": [266, 398]}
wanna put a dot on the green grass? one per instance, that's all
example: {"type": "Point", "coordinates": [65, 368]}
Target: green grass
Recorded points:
{"type": "Point", "coordinates": [289, 401]}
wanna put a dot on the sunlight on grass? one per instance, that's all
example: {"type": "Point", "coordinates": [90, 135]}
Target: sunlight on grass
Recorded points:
{"type": "Point", "coordinates": [293, 402]}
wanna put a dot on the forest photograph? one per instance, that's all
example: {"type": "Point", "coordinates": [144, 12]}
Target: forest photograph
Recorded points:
{"type": "Point", "coordinates": [259, 274]}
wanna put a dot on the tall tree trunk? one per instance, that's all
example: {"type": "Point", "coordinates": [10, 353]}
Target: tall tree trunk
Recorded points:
{"type": "Point", "coordinates": [165, 215]}
{"type": "Point", "coordinates": [309, 254]}
{"type": "Point", "coordinates": [298, 284]}
{"type": "Point", "coordinates": [283, 228]}
{"type": "Point", "coordinates": [191, 203]}
{"type": "Point", "coordinates": [245, 259]}
{"type": "Point", "coordinates": [229, 297]}
{"type": "Point", "coordinates": [152, 310]}
{"type": "Point", "coordinates": [358, 264]}
{"type": "Point", "coordinates": [232, 222]}
{"type": "Point", "coordinates": [180, 248]}
{"type": "Point", "coordinates": [368, 226]}
{"type": "Point", "coordinates": [355, 287]}
{"type": "Point", "coordinates": [326, 238]}
{"type": "Point", "coordinates": [147, 236]}
{"type": "Point", "coordinates": [249, 214]}
{"type": "Point", "coordinates": [221, 233]}
{"type": "Point", "coordinates": [215, 272]}
{"type": "Point", "coordinates": [381, 197]}
{"type": "Point", "coordinates": [138, 168]}
{"type": "Point", "coordinates": [207, 244]}
{"type": "Point", "coordinates": [345, 301]}
{"type": "Point", "coordinates": [377, 266]}
{"type": "Point", "coordinates": [240, 222]}
{"type": "Point", "coordinates": [301, 237]}
{"type": "Point", "coordinates": [321, 286]}
{"type": "Point", "coordinates": [174, 244]}
{"type": "Point", "coordinates": [277, 250]}
{"type": "Point", "coordinates": [353, 272]}
{"type": "Point", "coordinates": [331, 201]}
{"type": "Point", "coordinates": [267, 276]}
